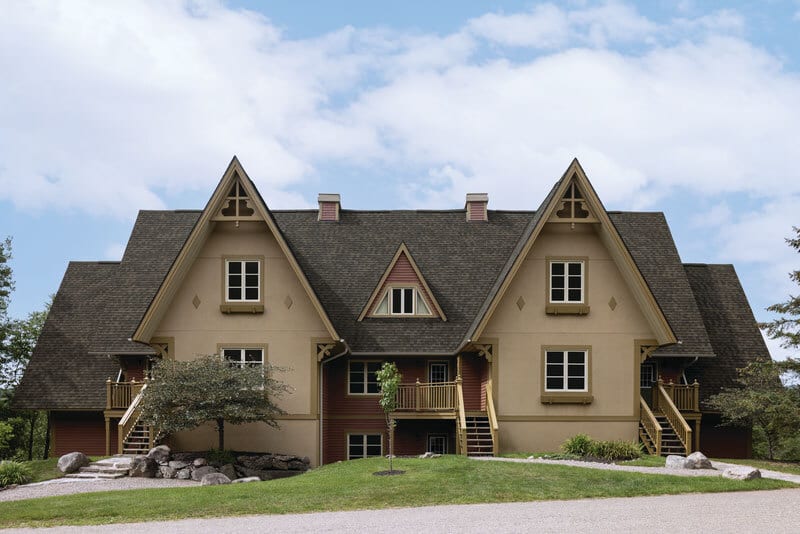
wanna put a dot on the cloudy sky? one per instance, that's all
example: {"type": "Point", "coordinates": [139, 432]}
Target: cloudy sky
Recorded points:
{"type": "Point", "coordinates": [690, 108]}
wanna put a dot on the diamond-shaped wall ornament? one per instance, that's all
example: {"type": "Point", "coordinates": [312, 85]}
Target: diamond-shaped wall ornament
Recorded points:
{"type": "Point", "coordinates": [612, 303]}
{"type": "Point", "coordinates": [196, 302]}
{"type": "Point", "coordinates": [288, 302]}
{"type": "Point", "coordinates": [520, 303]}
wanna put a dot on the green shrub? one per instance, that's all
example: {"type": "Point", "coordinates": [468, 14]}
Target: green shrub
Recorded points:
{"type": "Point", "coordinates": [220, 457]}
{"type": "Point", "coordinates": [577, 445]}
{"type": "Point", "coordinates": [609, 451]}
{"type": "Point", "coordinates": [14, 473]}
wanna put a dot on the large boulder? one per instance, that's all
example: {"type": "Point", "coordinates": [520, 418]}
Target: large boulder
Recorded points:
{"type": "Point", "coordinates": [675, 462]}
{"type": "Point", "coordinates": [184, 474]}
{"type": "Point", "coordinates": [167, 471]}
{"type": "Point", "coordinates": [142, 466]}
{"type": "Point", "coordinates": [229, 471]}
{"type": "Point", "coordinates": [160, 454]}
{"type": "Point", "coordinates": [71, 462]}
{"type": "Point", "coordinates": [697, 460]}
{"type": "Point", "coordinates": [178, 464]}
{"type": "Point", "coordinates": [245, 479]}
{"type": "Point", "coordinates": [741, 473]}
{"type": "Point", "coordinates": [199, 462]}
{"type": "Point", "coordinates": [214, 479]}
{"type": "Point", "coordinates": [200, 472]}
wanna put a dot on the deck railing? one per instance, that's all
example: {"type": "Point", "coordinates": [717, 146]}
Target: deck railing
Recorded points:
{"type": "Point", "coordinates": [462, 418]}
{"type": "Point", "coordinates": [426, 396]}
{"type": "Point", "coordinates": [119, 395]}
{"type": "Point", "coordinates": [651, 427]}
{"type": "Point", "coordinates": [686, 397]}
{"type": "Point", "coordinates": [129, 420]}
{"type": "Point", "coordinates": [668, 408]}
{"type": "Point", "coordinates": [493, 426]}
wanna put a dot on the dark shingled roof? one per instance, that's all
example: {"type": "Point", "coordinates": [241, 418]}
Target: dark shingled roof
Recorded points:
{"type": "Point", "coordinates": [95, 312]}
{"type": "Point", "coordinates": [730, 323]}
{"type": "Point", "coordinates": [61, 375]}
{"type": "Point", "coordinates": [344, 262]}
{"type": "Point", "coordinates": [650, 243]}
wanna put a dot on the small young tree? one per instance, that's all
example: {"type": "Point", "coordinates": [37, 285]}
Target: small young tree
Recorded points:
{"type": "Point", "coordinates": [184, 395]}
{"type": "Point", "coordinates": [389, 379]}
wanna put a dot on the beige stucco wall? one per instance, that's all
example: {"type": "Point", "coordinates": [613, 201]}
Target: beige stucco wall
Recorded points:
{"type": "Point", "coordinates": [297, 437]}
{"type": "Point", "coordinates": [544, 436]}
{"type": "Point", "coordinates": [521, 334]}
{"type": "Point", "coordinates": [288, 332]}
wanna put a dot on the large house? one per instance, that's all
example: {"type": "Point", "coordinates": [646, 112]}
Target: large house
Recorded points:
{"type": "Point", "coordinates": [513, 330]}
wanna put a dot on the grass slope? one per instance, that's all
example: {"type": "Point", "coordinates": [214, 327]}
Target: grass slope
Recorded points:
{"type": "Point", "coordinates": [352, 486]}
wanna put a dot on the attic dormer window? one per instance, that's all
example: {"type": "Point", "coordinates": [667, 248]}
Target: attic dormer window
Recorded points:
{"type": "Point", "coordinates": [402, 301]}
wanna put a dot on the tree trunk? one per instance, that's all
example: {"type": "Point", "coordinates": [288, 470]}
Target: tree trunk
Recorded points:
{"type": "Point", "coordinates": [34, 417]}
{"type": "Point", "coordinates": [46, 451]}
{"type": "Point", "coordinates": [221, 432]}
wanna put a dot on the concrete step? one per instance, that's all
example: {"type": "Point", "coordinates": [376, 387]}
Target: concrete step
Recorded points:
{"type": "Point", "coordinates": [97, 475]}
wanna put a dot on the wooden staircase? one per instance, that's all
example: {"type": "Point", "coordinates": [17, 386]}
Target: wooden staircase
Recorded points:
{"type": "Point", "coordinates": [479, 436]}
{"type": "Point", "coordinates": [670, 443]}
{"type": "Point", "coordinates": [138, 441]}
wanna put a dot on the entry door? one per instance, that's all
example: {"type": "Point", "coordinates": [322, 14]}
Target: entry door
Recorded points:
{"type": "Point", "coordinates": [647, 380]}
{"type": "Point", "coordinates": [437, 443]}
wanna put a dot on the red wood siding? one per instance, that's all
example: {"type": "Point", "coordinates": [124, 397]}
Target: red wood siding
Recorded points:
{"type": "Point", "coordinates": [80, 431]}
{"type": "Point", "coordinates": [724, 441]}
{"type": "Point", "coordinates": [403, 273]}
{"type": "Point", "coordinates": [133, 368]}
{"type": "Point", "coordinates": [327, 211]}
{"type": "Point", "coordinates": [473, 375]}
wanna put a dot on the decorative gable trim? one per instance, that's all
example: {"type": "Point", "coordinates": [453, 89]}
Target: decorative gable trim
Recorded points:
{"type": "Point", "coordinates": [220, 199]}
{"type": "Point", "coordinates": [608, 235]}
{"type": "Point", "coordinates": [384, 283]}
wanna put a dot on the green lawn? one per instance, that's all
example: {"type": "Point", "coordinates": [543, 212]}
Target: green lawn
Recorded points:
{"type": "Point", "coordinates": [646, 460]}
{"type": "Point", "coordinates": [44, 469]}
{"type": "Point", "coordinates": [352, 486]}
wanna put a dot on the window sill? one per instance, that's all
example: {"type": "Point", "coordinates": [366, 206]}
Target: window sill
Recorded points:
{"type": "Point", "coordinates": [566, 309]}
{"type": "Point", "coordinates": [566, 398]}
{"type": "Point", "coordinates": [241, 308]}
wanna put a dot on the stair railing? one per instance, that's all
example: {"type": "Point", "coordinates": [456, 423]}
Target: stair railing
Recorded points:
{"type": "Point", "coordinates": [462, 417]}
{"type": "Point", "coordinates": [651, 427]}
{"type": "Point", "coordinates": [493, 426]}
{"type": "Point", "coordinates": [129, 420]}
{"type": "Point", "coordinates": [679, 424]}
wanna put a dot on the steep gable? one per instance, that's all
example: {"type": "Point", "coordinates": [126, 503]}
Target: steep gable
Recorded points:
{"type": "Point", "coordinates": [235, 199]}
{"type": "Point", "coordinates": [573, 200]}
{"type": "Point", "coordinates": [402, 273]}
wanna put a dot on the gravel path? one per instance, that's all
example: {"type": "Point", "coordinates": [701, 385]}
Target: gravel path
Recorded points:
{"type": "Point", "coordinates": [68, 486]}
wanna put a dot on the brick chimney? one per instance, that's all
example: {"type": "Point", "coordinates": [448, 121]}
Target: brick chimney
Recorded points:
{"type": "Point", "coordinates": [476, 207]}
{"type": "Point", "coordinates": [329, 204]}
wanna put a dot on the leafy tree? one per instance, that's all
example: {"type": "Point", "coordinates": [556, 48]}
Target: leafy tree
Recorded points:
{"type": "Point", "coordinates": [6, 281]}
{"type": "Point", "coordinates": [17, 346]}
{"type": "Point", "coordinates": [787, 328]}
{"type": "Point", "coordinates": [389, 379]}
{"type": "Point", "coordinates": [184, 395]}
{"type": "Point", "coordinates": [764, 403]}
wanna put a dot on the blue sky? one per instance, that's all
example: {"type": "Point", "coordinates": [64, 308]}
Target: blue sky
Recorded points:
{"type": "Point", "coordinates": [690, 108]}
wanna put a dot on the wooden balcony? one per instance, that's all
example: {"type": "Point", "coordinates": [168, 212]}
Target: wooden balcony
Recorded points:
{"type": "Point", "coordinates": [685, 397]}
{"type": "Point", "coordinates": [427, 397]}
{"type": "Point", "coordinates": [119, 395]}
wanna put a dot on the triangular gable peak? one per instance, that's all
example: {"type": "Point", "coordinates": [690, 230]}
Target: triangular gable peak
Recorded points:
{"type": "Point", "coordinates": [235, 199]}
{"type": "Point", "coordinates": [574, 192]}
{"type": "Point", "coordinates": [402, 291]}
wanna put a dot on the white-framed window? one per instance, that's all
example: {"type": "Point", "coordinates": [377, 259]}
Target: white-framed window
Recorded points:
{"type": "Point", "coordinates": [567, 282]}
{"type": "Point", "coordinates": [244, 357]}
{"type": "Point", "coordinates": [437, 443]}
{"type": "Point", "coordinates": [566, 370]}
{"type": "Point", "coordinates": [402, 301]}
{"type": "Point", "coordinates": [364, 446]}
{"type": "Point", "coordinates": [362, 378]}
{"type": "Point", "coordinates": [242, 280]}
{"type": "Point", "coordinates": [648, 375]}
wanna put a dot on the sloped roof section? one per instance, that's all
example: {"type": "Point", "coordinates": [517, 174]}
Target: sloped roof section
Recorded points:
{"type": "Point", "coordinates": [730, 324]}
{"type": "Point", "coordinates": [61, 375]}
{"type": "Point", "coordinates": [650, 243]}
{"type": "Point", "coordinates": [345, 261]}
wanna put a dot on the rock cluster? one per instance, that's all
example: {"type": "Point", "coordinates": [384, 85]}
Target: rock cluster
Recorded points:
{"type": "Point", "coordinates": [160, 462]}
{"type": "Point", "coordinates": [696, 460]}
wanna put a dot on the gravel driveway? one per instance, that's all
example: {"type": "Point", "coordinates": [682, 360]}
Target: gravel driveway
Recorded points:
{"type": "Point", "coordinates": [67, 486]}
